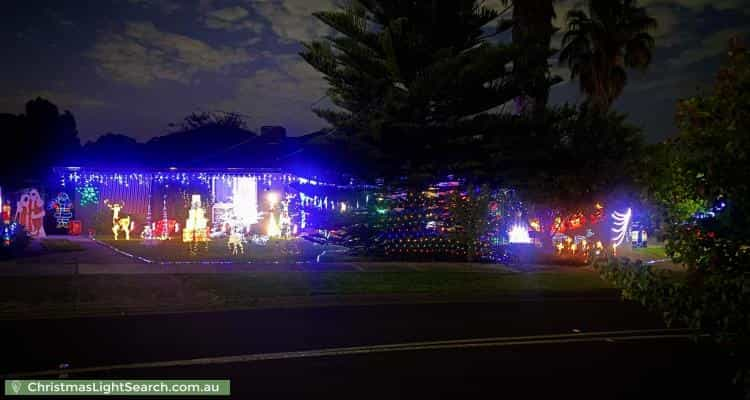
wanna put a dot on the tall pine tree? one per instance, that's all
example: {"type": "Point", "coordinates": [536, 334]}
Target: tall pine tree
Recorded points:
{"type": "Point", "coordinates": [408, 77]}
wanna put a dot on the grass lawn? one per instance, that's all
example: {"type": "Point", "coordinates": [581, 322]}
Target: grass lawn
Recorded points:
{"type": "Point", "coordinates": [50, 296]}
{"type": "Point", "coordinates": [217, 250]}
{"type": "Point", "coordinates": [653, 253]}
{"type": "Point", "coordinates": [60, 245]}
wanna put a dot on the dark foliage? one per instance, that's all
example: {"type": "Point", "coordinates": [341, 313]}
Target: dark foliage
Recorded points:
{"type": "Point", "coordinates": [602, 40]}
{"type": "Point", "coordinates": [408, 78]}
{"type": "Point", "coordinates": [113, 150]}
{"type": "Point", "coordinates": [216, 119]}
{"type": "Point", "coordinates": [705, 169]}
{"type": "Point", "coordinates": [17, 243]}
{"type": "Point", "coordinates": [35, 141]}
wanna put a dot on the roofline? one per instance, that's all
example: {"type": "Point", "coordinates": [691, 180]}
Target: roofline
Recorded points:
{"type": "Point", "coordinates": [64, 170]}
{"type": "Point", "coordinates": [231, 170]}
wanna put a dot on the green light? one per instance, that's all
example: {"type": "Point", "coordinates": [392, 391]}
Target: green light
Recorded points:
{"type": "Point", "coordinates": [89, 195]}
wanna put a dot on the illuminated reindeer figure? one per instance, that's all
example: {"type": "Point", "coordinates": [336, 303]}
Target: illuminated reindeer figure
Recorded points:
{"type": "Point", "coordinates": [119, 223]}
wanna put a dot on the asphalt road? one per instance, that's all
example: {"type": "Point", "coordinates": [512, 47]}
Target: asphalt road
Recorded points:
{"type": "Point", "coordinates": [669, 368]}
{"type": "Point", "coordinates": [643, 370]}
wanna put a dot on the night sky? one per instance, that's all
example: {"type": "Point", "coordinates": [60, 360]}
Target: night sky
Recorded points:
{"type": "Point", "coordinates": [133, 66]}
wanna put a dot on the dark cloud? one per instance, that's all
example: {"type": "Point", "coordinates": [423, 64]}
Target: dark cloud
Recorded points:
{"type": "Point", "coordinates": [132, 66]}
{"type": "Point", "coordinates": [141, 53]}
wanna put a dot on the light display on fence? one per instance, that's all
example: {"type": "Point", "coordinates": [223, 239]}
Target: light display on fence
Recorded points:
{"type": "Point", "coordinates": [234, 200]}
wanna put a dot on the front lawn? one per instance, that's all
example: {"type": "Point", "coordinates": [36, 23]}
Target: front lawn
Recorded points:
{"type": "Point", "coordinates": [651, 253]}
{"type": "Point", "coordinates": [61, 296]}
{"type": "Point", "coordinates": [60, 245]}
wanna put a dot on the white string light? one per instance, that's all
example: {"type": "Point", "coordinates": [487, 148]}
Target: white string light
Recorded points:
{"type": "Point", "coordinates": [622, 223]}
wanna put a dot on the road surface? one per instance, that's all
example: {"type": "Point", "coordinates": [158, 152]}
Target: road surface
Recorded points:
{"type": "Point", "coordinates": [600, 368]}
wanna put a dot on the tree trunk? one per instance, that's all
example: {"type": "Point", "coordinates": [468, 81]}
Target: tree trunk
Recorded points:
{"type": "Point", "coordinates": [532, 31]}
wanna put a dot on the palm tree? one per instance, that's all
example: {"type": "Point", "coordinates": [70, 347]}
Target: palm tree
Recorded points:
{"type": "Point", "coordinates": [601, 44]}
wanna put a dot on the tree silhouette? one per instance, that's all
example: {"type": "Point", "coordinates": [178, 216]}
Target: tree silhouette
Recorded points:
{"type": "Point", "coordinates": [213, 118]}
{"type": "Point", "coordinates": [601, 42]}
{"type": "Point", "coordinates": [532, 31]}
{"type": "Point", "coordinates": [705, 169]}
{"type": "Point", "coordinates": [406, 77]}
{"type": "Point", "coordinates": [113, 149]}
{"type": "Point", "coordinates": [36, 141]}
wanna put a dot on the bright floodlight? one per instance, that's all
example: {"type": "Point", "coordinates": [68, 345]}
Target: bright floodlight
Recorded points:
{"type": "Point", "coordinates": [519, 234]}
{"type": "Point", "coordinates": [273, 198]}
{"type": "Point", "coordinates": [245, 199]}
{"type": "Point", "coordinates": [272, 229]}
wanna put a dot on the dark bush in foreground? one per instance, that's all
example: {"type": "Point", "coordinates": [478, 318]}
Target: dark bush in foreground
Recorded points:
{"type": "Point", "coordinates": [14, 240]}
